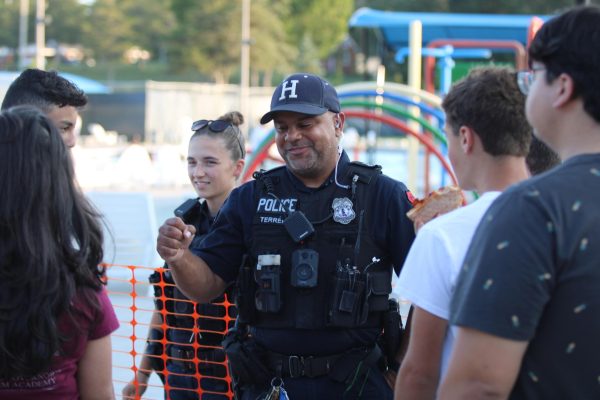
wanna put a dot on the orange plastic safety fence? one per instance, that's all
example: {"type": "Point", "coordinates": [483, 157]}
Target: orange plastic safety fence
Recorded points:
{"type": "Point", "coordinates": [133, 299]}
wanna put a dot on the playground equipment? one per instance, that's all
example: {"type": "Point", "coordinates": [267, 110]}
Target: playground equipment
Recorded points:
{"type": "Point", "coordinates": [496, 32]}
{"type": "Point", "coordinates": [517, 47]}
{"type": "Point", "coordinates": [446, 56]}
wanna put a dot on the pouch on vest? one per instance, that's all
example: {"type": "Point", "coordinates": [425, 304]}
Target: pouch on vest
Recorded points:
{"type": "Point", "coordinates": [245, 358]}
{"type": "Point", "coordinates": [379, 286]}
{"type": "Point", "coordinates": [268, 278]}
{"type": "Point", "coordinates": [347, 298]}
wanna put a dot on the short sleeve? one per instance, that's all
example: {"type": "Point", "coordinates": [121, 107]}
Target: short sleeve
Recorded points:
{"type": "Point", "coordinates": [426, 274]}
{"type": "Point", "coordinates": [508, 274]}
{"type": "Point", "coordinates": [106, 322]}
{"type": "Point", "coordinates": [224, 246]}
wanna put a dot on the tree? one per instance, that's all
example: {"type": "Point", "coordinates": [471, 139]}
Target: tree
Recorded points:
{"type": "Point", "coordinates": [324, 23]}
{"type": "Point", "coordinates": [308, 59]}
{"type": "Point", "coordinates": [270, 51]}
{"type": "Point", "coordinates": [67, 21]}
{"type": "Point", "coordinates": [207, 37]}
{"type": "Point", "coordinates": [152, 22]}
{"type": "Point", "coordinates": [109, 32]}
{"type": "Point", "coordinates": [9, 21]}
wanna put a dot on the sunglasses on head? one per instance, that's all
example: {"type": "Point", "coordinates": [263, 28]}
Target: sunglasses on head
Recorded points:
{"type": "Point", "coordinates": [216, 126]}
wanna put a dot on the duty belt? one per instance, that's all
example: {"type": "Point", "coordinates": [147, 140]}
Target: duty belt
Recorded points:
{"type": "Point", "coordinates": [296, 366]}
{"type": "Point", "coordinates": [311, 366]}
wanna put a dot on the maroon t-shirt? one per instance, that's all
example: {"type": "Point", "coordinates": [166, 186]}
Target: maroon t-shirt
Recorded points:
{"type": "Point", "coordinates": [60, 382]}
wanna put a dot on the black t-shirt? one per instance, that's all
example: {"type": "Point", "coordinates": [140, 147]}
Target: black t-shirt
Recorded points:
{"type": "Point", "coordinates": [532, 273]}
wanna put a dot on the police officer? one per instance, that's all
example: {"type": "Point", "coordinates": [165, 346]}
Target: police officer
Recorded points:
{"type": "Point", "coordinates": [318, 240]}
{"type": "Point", "coordinates": [215, 161]}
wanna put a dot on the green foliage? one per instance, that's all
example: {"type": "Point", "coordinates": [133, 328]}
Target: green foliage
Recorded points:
{"type": "Point", "coordinates": [66, 20]}
{"type": "Point", "coordinates": [324, 23]}
{"type": "Point", "coordinates": [270, 50]}
{"type": "Point", "coordinates": [207, 37]}
{"type": "Point", "coordinates": [308, 56]}
{"type": "Point", "coordinates": [108, 31]}
{"type": "Point", "coordinates": [131, 72]}
{"type": "Point", "coordinates": [203, 37]}
{"type": "Point", "coordinates": [152, 22]}
{"type": "Point", "coordinates": [9, 21]}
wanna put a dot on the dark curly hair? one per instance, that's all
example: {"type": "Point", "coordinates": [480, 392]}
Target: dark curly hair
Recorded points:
{"type": "Point", "coordinates": [50, 243]}
{"type": "Point", "coordinates": [43, 89]}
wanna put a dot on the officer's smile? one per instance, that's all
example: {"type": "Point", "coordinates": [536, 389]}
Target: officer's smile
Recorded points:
{"type": "Point", "coordinates": [298, 150]}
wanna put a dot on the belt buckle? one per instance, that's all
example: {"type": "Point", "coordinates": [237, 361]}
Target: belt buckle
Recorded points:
{"type": "Point", "coordinates": [296, 366]}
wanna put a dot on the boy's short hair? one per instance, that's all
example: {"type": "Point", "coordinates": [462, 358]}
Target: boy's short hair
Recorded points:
{"type": "Point", "coordinates": [43, 89]}
{"type": "Point", "coordinates": [488, 100]}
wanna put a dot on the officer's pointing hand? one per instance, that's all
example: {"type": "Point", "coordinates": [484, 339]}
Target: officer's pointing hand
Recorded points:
{"type": "Point", "coordinates": [174, 237]}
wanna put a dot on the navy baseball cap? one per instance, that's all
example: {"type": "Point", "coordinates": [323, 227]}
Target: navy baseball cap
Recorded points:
{"type": "Point", "coordinates": [304, 94]}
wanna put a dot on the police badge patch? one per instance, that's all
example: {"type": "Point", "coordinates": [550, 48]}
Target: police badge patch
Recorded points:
{"type": "Point", "coordinates": [343, 211]}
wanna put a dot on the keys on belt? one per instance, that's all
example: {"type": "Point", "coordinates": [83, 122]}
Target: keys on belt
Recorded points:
{"type": "Point", "coordinates": [277, 391]}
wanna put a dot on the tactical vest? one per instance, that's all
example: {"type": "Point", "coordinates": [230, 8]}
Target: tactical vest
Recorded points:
{"type": "Point", "coordinates": [336, 276]}
{"type": "Point", "coordinates": [180, 310]}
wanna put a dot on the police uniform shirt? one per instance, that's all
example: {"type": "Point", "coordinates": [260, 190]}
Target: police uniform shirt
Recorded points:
{"type": "Point", "coordinates": [230, 237]}
{"type": "Point", "coordinates": [202, 221]}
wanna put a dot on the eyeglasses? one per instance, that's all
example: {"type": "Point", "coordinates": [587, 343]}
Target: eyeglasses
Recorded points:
{"type": "Point", "coordinates": [526, 78]}
{"type": "Point", "coordinates": [217, 126]}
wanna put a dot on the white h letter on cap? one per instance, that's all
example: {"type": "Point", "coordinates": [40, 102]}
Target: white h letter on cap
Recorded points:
{"type": "Point", "coordinates": [292, 89]}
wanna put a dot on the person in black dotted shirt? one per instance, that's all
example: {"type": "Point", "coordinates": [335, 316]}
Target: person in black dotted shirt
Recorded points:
{"type": "Point", "coordinates": [527, 301]}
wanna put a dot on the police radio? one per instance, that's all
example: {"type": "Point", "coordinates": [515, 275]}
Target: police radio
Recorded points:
{"type": "Point", "coordinates": [298, 226]}
{"type": "Point", "coordinates": [184, 210]}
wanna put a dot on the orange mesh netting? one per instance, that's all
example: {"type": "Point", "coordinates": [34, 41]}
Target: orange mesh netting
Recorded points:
{"type": "Point", "coordinates": [133, 299]}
